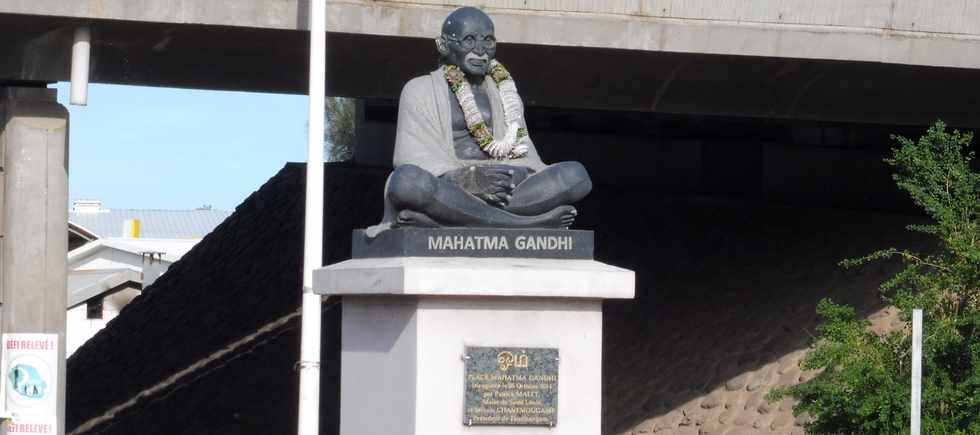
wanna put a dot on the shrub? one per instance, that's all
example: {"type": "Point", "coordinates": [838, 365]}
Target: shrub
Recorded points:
{"type": "Point", "coordinates": [341, 114]}
{"type": "Point", "coordinates": [864, 383]}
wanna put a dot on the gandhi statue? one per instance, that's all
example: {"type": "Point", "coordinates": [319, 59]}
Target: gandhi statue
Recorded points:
{"type": "Point", "coordinates": [463, 155]}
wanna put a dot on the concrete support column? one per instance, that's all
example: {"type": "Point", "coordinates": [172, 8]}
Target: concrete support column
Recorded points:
{"type": "Point", "coordinates": [374, 132]}
{"type": "Point", "coordinates": [33, 276]}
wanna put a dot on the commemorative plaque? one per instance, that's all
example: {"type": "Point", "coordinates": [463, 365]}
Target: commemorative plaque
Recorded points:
{"type": "Point", "coordinates": [510, 386]}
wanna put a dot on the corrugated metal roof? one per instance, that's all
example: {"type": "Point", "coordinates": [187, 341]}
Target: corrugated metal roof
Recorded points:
{"type": "Point", "coordinates": [157, 224]}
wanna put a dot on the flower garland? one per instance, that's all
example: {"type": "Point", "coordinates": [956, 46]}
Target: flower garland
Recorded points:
{"type": "Point", "coordinates": [516, 142]}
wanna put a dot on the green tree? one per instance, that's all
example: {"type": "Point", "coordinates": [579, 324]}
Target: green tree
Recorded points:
{"type": "Point", "coordinates": [865, 380]}
{"type": "Point", "coordinates": [340, 129]}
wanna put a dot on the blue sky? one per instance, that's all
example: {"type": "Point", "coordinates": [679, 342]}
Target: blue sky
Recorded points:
{"type": "Point", "coordinates": [166, 148]}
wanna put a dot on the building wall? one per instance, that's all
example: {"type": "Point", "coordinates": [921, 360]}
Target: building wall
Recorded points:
{"type": "Point", "coordinates": [80, 328]}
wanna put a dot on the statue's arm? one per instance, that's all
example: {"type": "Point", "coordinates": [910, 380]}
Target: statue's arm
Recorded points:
{"type": "Point", "coordinates": [532, 160]}
{"type": "Point", "coordinates": [419, 136]}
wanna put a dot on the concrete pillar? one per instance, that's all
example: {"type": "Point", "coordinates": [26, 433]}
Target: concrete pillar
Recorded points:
{"type": "Point", "coordinates": [34, 201]}
{"type": "Point", "coordinates": [374, 137]}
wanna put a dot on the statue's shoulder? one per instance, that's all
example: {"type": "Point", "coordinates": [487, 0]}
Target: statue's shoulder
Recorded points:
{"type": "Point", "coordinates": [418, 86]}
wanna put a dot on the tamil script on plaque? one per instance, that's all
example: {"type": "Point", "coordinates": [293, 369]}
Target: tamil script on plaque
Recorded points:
{"type": "Point", "coordinates": [511, 386]}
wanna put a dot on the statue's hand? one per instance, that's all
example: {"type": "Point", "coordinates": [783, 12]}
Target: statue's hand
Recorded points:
{"type": "Point", "coordinates": [492, 184]}
{"type": "Point", "coordinates": [517, 175]}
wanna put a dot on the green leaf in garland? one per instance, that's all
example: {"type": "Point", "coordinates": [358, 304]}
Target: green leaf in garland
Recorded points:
{"type": "Point", "coordinates": [499, 73]}
{"type": "Point", "coordinates": [479, 130]}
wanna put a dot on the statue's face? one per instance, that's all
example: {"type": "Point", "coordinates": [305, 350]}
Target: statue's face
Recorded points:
{"type": "Point", "coordinates": [468, 41]}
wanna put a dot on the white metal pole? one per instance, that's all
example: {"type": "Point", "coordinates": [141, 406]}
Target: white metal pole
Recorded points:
{"type": "Point", "coordinates": [309, 365]}
{"type": "Point", "coordinates": [80, 53]}
{"type": "Point", "coordinates": [916, 371]}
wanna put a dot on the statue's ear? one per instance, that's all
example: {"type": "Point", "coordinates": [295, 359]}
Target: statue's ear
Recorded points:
{"type": "Point", "coordinates": [441, 46]}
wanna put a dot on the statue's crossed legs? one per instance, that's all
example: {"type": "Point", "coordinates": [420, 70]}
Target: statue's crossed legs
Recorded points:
{"type": "Point", "coordinates": [418, 198]}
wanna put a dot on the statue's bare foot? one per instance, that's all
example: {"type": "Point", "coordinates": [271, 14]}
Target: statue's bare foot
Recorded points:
{"type": "Point", "coordinates": [409, 218]}
{"type": "Point", "coordinates": [560, 217]}
{"type": "Point", "coordinates": [563, 216]}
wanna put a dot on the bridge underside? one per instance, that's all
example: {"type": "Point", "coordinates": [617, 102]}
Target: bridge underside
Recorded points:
{"type": "Point", "coordinates": [36, 49]}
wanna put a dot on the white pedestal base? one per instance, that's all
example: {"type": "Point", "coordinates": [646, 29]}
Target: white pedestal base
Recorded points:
{"type": "Point", "coordinates": [402, 371]}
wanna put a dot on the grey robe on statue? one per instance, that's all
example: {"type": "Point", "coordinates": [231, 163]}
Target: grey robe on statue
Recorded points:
{"type": "Point", "coordinates": [425, 134]}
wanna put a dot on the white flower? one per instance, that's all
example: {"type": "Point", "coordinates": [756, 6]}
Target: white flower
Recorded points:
{"type": "Point", "coordinates": [509, 146]}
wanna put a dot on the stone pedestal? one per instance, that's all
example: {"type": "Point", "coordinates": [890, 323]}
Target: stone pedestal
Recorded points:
{"type": "Point", "coordinates": [415, 327]}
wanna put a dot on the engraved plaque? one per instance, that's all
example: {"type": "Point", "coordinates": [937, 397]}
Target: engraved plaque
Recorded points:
{"type": "Point", "coordinates": [510, 386]}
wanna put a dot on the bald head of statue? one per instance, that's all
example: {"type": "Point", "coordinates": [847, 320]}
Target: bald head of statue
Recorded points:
{"type": "Point", "coordinates": [467, 41]}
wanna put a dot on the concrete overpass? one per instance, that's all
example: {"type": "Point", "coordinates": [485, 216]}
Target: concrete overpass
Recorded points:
{"type": "Point", "coordinates": [878, 61]}
{"type": "Point", "coordinates": [643, 91]}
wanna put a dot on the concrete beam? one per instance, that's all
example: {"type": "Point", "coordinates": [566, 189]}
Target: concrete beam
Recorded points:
{"type": "Point", "coordinates": [279, 14]}
{"type": "Point", "coordinates": [367, 66]}
{"type": "Point", "coordinates": [678, 83]}
{"type": "Point", "coordinates": [860, 30]}
{"type": "Point", "coordinates": [267, 59]}
{"type": "Point", "coordinates": [912, 32]}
